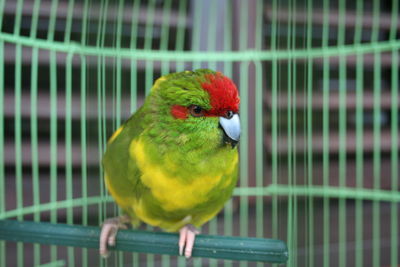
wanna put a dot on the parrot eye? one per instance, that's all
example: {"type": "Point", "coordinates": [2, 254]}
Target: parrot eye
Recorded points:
{"type": "Point", "coordinates": [229, 114]}
{"type": "Point", "coordinates": [196, 111]}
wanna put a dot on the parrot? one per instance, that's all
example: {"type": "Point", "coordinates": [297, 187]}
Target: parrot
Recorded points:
{"type": "Point", "coordinates": [174, 163]}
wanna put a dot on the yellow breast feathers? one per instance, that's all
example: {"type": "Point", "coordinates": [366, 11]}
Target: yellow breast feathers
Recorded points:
{"type": "Point", "coordinates": [173, 193]}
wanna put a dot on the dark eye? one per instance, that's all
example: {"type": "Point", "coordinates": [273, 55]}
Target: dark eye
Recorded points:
{"type": "Point", "coordinates": [196, 111]}
{"type": "Point", "coordinates": [229, 114]}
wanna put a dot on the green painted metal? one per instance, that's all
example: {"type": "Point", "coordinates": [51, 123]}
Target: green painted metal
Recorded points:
{"type": "Point", "coordinates": [222, 247]}
{"type": "Point", "coordinates": [319, 155]}
{"type": "Point", "coordinates": [2, 176]}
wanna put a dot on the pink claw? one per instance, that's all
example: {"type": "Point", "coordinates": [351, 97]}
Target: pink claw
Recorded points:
{"type": "Point", "coordinates": [109, 232]}
{"type": "Point", "coordinates": [187, 235]}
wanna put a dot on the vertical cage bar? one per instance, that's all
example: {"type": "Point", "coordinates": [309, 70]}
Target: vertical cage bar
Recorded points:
{"type": "Point", "coordinates": [148, 39]}
{"type": "Point", "coordinates": [83, 133]}
{"type": "Point", "coordinates": [34, 144]}
{"type": "Point", "coordinates": [34, 133]}
{"type": "Point", "coordinates": [18, 127]}
{"type": "Point", "coordinates": [274, 120]}
{"type": "Point", "coordinates": [244, 95]}
{"type": "Point", "coordinates": [197, 11]}
{"type": "Point", "coordinates": [119, 72]}
{"type": "Point", "coordinates": [99, 139]}
{"type": "Point", "coordinates": [100, 105]}
{"type": "Point", "coordinates": [133, 84]}
{"type": "Point", "coordinates": [134, 23]}
{"type": "Point", "coordinates": [359, 138]}
{"type": "Point", "coordinates": [53, 144]}
{"type": "Point", "coordinates": [228, 69]}
{"type": "Point", "coordinates": [85, 23]}
{"type": "Point", "coordinates": [394, 20]}
{"type": "Point", "coordinates": [18, 16]}
{"type": "Point", "coordinates": [67, 33]}
{"type": "Point", "coordinates": [394, 242]}
{"type": "Point", "coordinates": [342, 159]}
{"type": "Point", "coordinates": [359, 160]}
{"type": "Point", "coordinates": [376, 137]}
{"type": "Point", "coordinates": [164, 46]}
{"type": "Point", "coordinates": [259, 148]}
{"type": "Point", "coordinates": [104, 84]}
{"type": "Point", "coordinates": [18, 146]}
{"type": "Point", "coordinates": [149, 74]}
{"type": "Point", "coordinates": [164, 28]}
{"type": "Point", "coordinates": [115, 117]}
{"type": "Point", "coordinates": [84, 182]}
{"type": "Point", "coordinates": [2, 176]}
{"type": "Point", "coordinates": [258, 25]}
{"type": "Point", "coordinates": [148, 42]}
{"type": "Point", "coordinates": [212, 30]}
{"type": "Point", "coordinates": [103, 136]}
{"type": "Point", "coordinates": [180, 31]}
{"type": "Point", "coordinates": [53, 121]}
{"type": "Point", "coordinates": [52, 20]}
{"type": "Point", "coordinates": [180, 34]}
{"type": "Point", "coordinates": [68, 148]}
{"type": "Point", "coordinates": [309, 135]}
{"type": "Point", "coordinates": [68, 127]}
{"type": "Point", "coordinates": [244, 155]}
{"type": "Point", "coordinates": [2, 3]}
{"type": "Point", "coordinates": [342, 134]}
{"type": "Point", "coordinates": [376, 158]}
{"type": "Point", "coordinates": [292, 85]}
{"type": "Point", "coordinates": [244, 142]}
{"type": "Point", "coordinates": [259, 122]}
{"type": "Point", "coordinates": [35, 17]}
{"type": "Point", "coordinates": [325, 136]}
{"type": "Point", "coordinates": [211, 46]}
{"type": "Point", "coordinates": [116, 97]}
{"type": "Point", "coordinates": [289, 134]}
{"type": "Point", "coordinates": [134, 31]}
{"type": "Point", "coordinates": [394, 154]}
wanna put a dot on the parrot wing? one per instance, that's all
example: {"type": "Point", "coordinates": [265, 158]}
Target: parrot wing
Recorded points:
{"type": "Point", "coordinates": [122, 176]}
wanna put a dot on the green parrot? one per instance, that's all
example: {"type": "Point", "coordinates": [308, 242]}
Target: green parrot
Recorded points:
{"type": "Point", "coordinates": [174, 163]}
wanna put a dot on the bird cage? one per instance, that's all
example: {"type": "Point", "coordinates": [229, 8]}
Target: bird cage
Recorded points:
{"type": "Point", "coordinates": [319, 89]}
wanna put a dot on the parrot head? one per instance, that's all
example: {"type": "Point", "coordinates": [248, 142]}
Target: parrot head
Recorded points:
{"type": "Point", "coordinates": [197, 108]}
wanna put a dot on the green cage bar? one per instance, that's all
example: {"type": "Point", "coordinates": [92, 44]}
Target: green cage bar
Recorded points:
{"type": "Point", "coordinates": [319, 154]}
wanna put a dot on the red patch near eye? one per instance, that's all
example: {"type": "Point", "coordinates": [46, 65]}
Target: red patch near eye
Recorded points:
{"type": "Point", "coordinates": [179, 112]}
{"type": "Point", "coordinates": [223, 94]}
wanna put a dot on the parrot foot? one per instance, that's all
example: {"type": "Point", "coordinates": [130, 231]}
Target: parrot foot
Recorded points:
{"type": "Point", "coordinates": [109, 231]}
{"type": "Point", "coordinates": [187, 235]}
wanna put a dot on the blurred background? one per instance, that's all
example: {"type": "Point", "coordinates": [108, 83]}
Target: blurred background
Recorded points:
{"type": "Point", "coordinates": [319, 154]}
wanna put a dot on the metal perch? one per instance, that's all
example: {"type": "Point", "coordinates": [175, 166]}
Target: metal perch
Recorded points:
{"type": "Point", "coordinates": [219, 247]}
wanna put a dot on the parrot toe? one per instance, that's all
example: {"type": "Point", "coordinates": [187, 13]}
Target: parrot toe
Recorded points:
{"type": "Point", "coordinates": [187, 235]}
{"type": "Point", "coordinates": [109, 232]}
